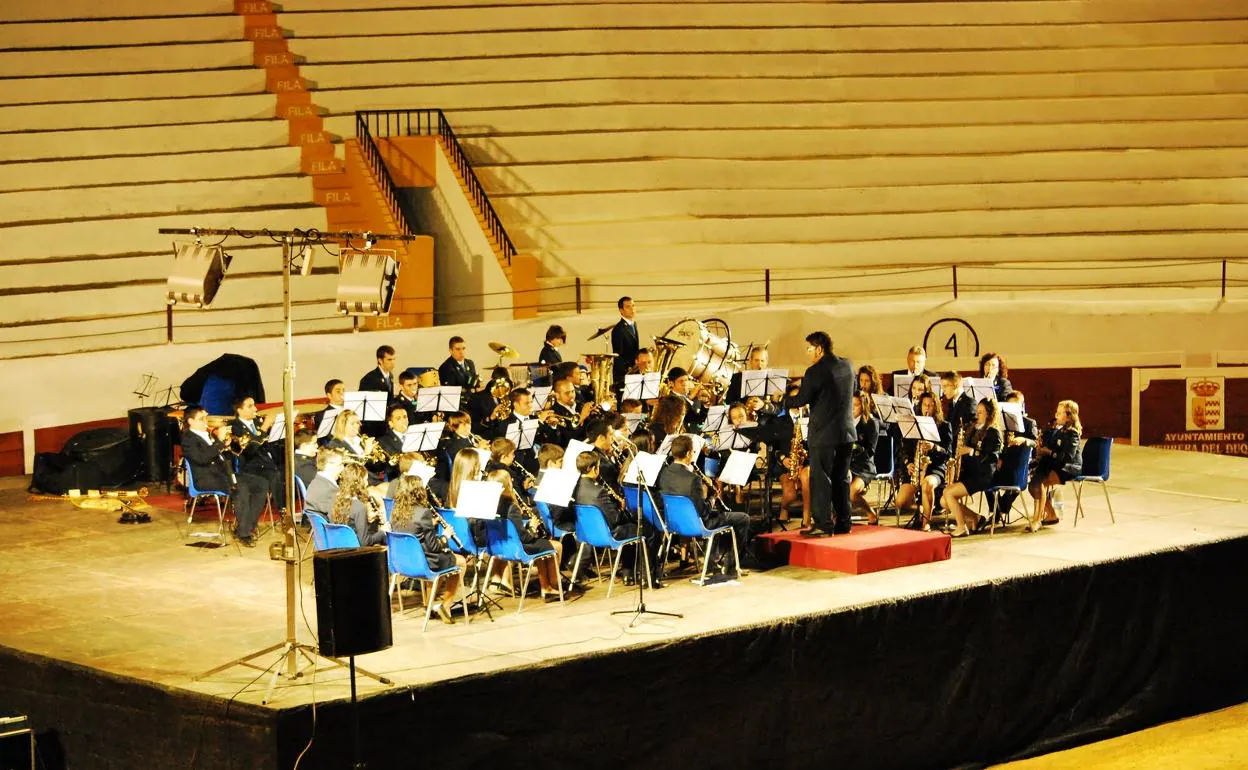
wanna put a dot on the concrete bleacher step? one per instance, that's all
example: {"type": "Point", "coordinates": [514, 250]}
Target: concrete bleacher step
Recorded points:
{"type": "Point", "coordinates": [149, 140]}
{"type": "Point", "coordinates": [41, 10]}
{"type": "Point", "coordinates": [199, 109]}
{"type": "Point", "coordinates": [227, 164]}
{"type": "Point", "coordinates": [151, 85]}
{"type": "Point", "coordinates": [97, 33]}
{"type": "Point", "coordinates": [126, 59]}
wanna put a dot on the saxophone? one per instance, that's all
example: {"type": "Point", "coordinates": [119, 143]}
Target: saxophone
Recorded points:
{"type": "Point", "coordinates": [921, 461]}
{"type": "Point", "coordinates": [797, 453]}
{"type": "Point", "coordinates": [954, 469]}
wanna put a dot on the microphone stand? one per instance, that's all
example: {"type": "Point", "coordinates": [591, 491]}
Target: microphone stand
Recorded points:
{"type": "Point", "coordinates": [641, 609]}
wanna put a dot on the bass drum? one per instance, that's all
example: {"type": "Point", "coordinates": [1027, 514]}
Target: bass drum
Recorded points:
{"type": "Point", "coordinates": [708, 352]}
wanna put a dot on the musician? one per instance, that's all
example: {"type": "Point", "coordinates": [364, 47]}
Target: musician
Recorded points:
{"type": "Point", "coordinates": [590, 490]}
{"type": "Point", "coordinates": [305, 456]}
{"type": "Point", "coordinates": [980, 451]}
{"type": "Point", "coordinates": [323, 489]}
{"type": "Point", "coordinates": [1060, 460]}
{"type": "Point", "coordinates": [679, 478]}
{"type": "Point", "coordinates": [466, 466]}
{"type": "Point", "coordinates": [630, 406]}
{"type": "Point", "coordinates": [643, 362]}
{"type": "Point", "coordinates": [683, 385]}
{"type": "Point", "coordinates": [992, 367]}
{"type": "Point", "coordinates": [503, 457]}
{"type": "Point", "coordinates": [521, 401]}
{"type": "Point", "coordinates": [391, 441]}
{"type": "Point", "coordinates": [513, 508]}
{"type": "Point", "coordinates": [409, 386]}
{"type": "Point", "coordinates": [828, 387]}
{"type": "Point", "coordinates": [248, 438]}
{"type": "Point", "coordinates": [916, 363]}
{"type": "Point", "coordinates": [357, 508]}
{"type": "Point", "coordinates": [668, 418]}
{"type": "Point", "coordinates": [413, 515]}
{"type": "Point", "coordinates": [754, 362]}
{"type": "Point", "coordinates": [335, 400]}
{"type": "Point", "coordinates": [1014, 444]}
{"type": "Point", "coordinates": [936, 455]}
{"type": "Point", "coordinates": [483, 405]}
{"type": "Point", "coordinates": [869, 380]}
{"type": "Point", "coordinates": [862, 457]}
{"type": "Point", "coordinates": [458, 369]}
{"type": "Point", "coordinates": [555, 339]}
{"type": "Point", "coordinates": [567, 422]}
{"type": "Point", "coordinates": [381, 378]}
{"type": "Point", "coordinates": [961, 409]}
{"type": "Point", "coordinates": [599, 434]}
{"type": "Point", "coordinates": [551, 456]}
{"type": "Point", "coordinates": [456, 438]}
{"type": "Point", "coordinates": [624, 339]}
{"type": "Point", "coordinates": [212, 470]}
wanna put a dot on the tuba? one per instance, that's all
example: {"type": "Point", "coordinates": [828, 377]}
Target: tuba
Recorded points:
{"type": "Point", "coordinates": [600, 375]}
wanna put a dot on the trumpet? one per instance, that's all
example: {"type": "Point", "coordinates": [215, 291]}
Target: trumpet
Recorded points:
{"type": "Point", "coordinates": [480, 442]}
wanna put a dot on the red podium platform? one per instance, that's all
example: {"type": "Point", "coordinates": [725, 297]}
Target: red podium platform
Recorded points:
{"type": "Point", "coordinates": [865, 549]}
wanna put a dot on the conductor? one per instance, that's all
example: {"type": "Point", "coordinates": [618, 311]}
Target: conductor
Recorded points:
{"type": "Point", "coordinates": [828, 388]}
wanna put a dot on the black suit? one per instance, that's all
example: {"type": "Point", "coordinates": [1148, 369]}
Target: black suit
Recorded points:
{"type": "Point", "coordinates": [549, 355]}
{"type": "Point", "coordinates": [961, 414]}
{"type": "Point", "coordinates": [480, 406]}
{"type": "Point", "coordinates": [624, 343]}
{"type": "Point", "coordinates": [451, 373]}
{"type": "Point", "coordinates": [212, 471]}
{"type": "Point", "coordinates": [257, 459]}
{"type": "Point", "coordinates": [378, 380]}
{"type": "Point", "coordinates": [828, 388]}
{"type": "Point", "coordinates": [678, 479]}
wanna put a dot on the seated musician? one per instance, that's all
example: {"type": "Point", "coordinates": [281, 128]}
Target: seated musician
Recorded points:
{"type": "Point", "coordinates": [678, 478]}
{"type": "Point", "coordinates": [1014, 444]}
{"type": "Point", "coordinates": [1060, 459]}
{"type": "Point", "coordinates": [551, 456]}
{"type": "Point", "coordinates": [755, 361]}
{"type": "Point", "coordinates": [932, 457]}
{"type": "Point", "coordinates": [305, 455]}
{"type": "Point", "coordinates": [599, 434]}
{"type": "Point", "coordinates": [862, 457]}
{"type": "Point", "coordinates": [590, 490]}
{"type": "Point", "coordinates": [358, 448]}
{"type": "Point", "coordinates": [465, 467]}
{"type": "Point", "coordinates": [409, 386]}
{"type": "Point", "coordinates": [403, 464]}
{"type": "Point", "coordinates": [567, 421]}
{"type": "Point", "coordinates": [413, 515]}
{"type": "Point", "coordinates": [213, 471]}
{"type": "Point", "coordinates": [503, 458]}
{"type": "Point", "coordinates": [356, 507]}
{"type": "Point", "coordinates": [555, 339]}
{"type": "Point", "coordinates": [335, 400]}
{"type": "Point", "coordinates": [685, 387]}
{"type": "Point", "coordinates": [532, 535]}
{"type": "Point", "coordinates": [916, 363]}
{"type": "Point", "coordinates": [323, 488]}
{"type": "Point", "coordinates": [980, 450]}
{"type": "Point", "coordinates": [485, 407]}
{"type": "Point", "coordinates": [249, 433]}
{"type": "Point", "coordinates": [992, 367]}
{"type": "Point", "coordinates": [960, 410]}
{"type": "Point", "coordinates": [391, 442]}
{"type": "Point", "coordinates": [869, 380]}
{"type": "Point", "coordinates": [668, 418]}
{"type": "Point", "coordinates": [457, 437]}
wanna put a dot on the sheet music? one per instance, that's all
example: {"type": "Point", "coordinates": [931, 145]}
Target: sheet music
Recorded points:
{"type": "Point", "coordinates": [764, 382]}
{"type": "Point", "coordinates": [557, 486]}
{"type": "Point", "coordinates": [327, 421]}
{"type": "Point", "coordinates": [645, 467]}
{"type": "Point", "coordinates": [737, 468]}
{"type": "Point", "coordinates": [573, 451]}
{"type": "Point", "coordinates": [445, 398]}
{"type": "Point", "coordinates": [729, 438]}
{"type": "Point", "coordinates": [715, 416]}
{"type": "Point", "coordinates": [423, 437]}
{"type": "Point", "coordinates": [1012, 416]}
{"type": "Point", "coordinates": [641, 386]}
{"type": "Point", "coordinates": [901, 385]}
{"type": "Point", "coordinates": [484, 454]}
{"type": "Point", "coordinates": [887, 408]}
{"type": "Point", "coordinates": [698, 444]}
{"type": "Point", "coordinates": [422, 471]}
{"type": "Point", "coordinates": [918, 427]}
{"type": "Point", "coordinates": [634, 421]}
{"type": "Point", "coordinates": [370, 405]}
{"type": "Point", "coordinates": [979, 388]}
{"type": "Point", "coordinates": [522, 432]}
{"type": "Point", "coordinates": [541, 394]}
{"type": "Point", "coordinates": [478, 499]}
{"type": "Point", "coordinates": [278, 431]}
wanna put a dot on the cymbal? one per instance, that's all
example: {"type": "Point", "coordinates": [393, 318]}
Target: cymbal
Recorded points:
{"type": "Point", "coordinates": [503, 350]}
{"type": "Point", "coordinates": [600, 332]}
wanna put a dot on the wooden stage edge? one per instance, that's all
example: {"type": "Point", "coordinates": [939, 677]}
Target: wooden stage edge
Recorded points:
{"type": "Point", "coordinates": [132, 602]}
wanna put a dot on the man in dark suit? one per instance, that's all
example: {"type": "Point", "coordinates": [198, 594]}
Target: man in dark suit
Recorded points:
{"type": "Point", "coordinates": [678, 478]}
{"type": "Point", "coordinates": [755, 362]}
{"type": "Point", "coordinates": [828, 388]}
{"type": "Point", "coordinates": [960, 411]}
{"type": "Point", "coordinates": [591, 490]}
{"type": "Point", "coordinates": [624, 340]}
{"type": "Point", "coordinates": [458, 369]}
{"type": "Point", "coordinates": [381, 378]}
{"type": "Point", "coordinates": [256, 456]}
{"type": "Point", "coordinates": [212, 471]}
{"type": "Point", "coordinates": [681, 384]}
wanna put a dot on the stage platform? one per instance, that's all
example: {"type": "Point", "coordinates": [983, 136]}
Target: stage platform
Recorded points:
{"type": "Point", "coordinates": [1017, 644]}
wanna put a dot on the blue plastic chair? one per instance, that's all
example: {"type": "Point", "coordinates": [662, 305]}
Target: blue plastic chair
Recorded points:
{"type": "Point", "coordinates": [592, 530]}
{"type": "Point", "coordinates": [631, 494]}
{"type": "Point", "coordinates": [504, 544]}
{"type": "Point", "coordinates": [196, 493]}
{"type": "Point", "coordinates": [543, 510]}
{"type": "Point", "coordinates": [1096, 452]}
{"type": "Point", "coordinates": [885, 466]}
{"type": "Point", "coordinates": [326, 536]}
{"type": "Point", "coordinates": [407, 559]}
{"type": "Point", "coordinates": [388, 507]}
{"type": "Point", "coordinates": [301, 496]}
{"type": "Point", "coordinates": [684, 520]}
{"type": "Point", "coordinates": [1015, 474]}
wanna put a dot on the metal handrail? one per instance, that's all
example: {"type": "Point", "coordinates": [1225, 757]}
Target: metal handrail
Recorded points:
{"type": "Point", "coordinates": [389, 190]}
{"type": "Point", "coordinates": [433, 122]}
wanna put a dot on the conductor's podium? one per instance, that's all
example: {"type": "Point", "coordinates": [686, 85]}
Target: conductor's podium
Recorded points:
{"type": "Point", "coordinates": [864, 549]}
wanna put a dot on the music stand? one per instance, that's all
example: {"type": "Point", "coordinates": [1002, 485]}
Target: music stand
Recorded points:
{"type": "Point", "coordinates": [979, 388]}
{"type": "Point", "coordinates": [888, 407]}
{"type": "Point", "coordinates": [327, 421]}
{"type": "Point", "coordinates": [422, 437]}
{"type": "Point", "coordinates": [764, 382]}
{"type": "Point", "coordinates": [729, 438]}
{"type": "Point", "coordinates": [479, 500]}
{"type": "Point", "coordinates": [901, 385]}
{"type": "Point", "coordinates": [1012, 416]}
{"type": "Point", "coordinates": [522, 433]}
{"type": "Point", "coordinates": [698, 444]}
{"type": "Point", "coordinates": [370, 405]}
{"type": "Point", "coordinates": [634, 421]}
{"type": "Point", "coordinates": [541, 394]}
{"type": "Point", "coordinates": [278, 431]}
{"type": "Point", "coordinates": [444, 398]}
{"type": "Point", "coordinates": [645, 469]}
{"type": "Point", "coordinates": [918, 427]}
{"type": "Point", "coordinates": [715, 416]}
{"type": "Point", "coordinates": [642, 387]}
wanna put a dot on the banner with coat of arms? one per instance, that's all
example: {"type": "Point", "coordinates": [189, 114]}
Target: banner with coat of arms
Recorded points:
{"type": "Point", "coordinates": [1206, 403]}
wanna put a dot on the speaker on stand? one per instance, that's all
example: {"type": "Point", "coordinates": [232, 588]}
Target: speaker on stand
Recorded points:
{"type": "Point", "coordinates": [352, 611]}
{"type": "Point", "coordinates": [154, 432]}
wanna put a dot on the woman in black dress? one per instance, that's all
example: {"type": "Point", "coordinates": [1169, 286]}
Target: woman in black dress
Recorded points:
{"type": "Point", "coordinates": [413, 515]}
{"type": "Point", "coordinates": [1060, 459]}
{"type": "Point", "coordinates": [980, 451]}
{"type": "Point", "coordinates": [862, 457]}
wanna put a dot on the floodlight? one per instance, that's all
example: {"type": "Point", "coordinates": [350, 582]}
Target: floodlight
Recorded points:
{"type": "Point", "coordinates": [197, 273]}
{"type": "Point", "coordinates": [366, 281]}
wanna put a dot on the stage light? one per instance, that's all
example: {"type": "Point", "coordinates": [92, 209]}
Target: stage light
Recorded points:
{"type": "Point", "coordinates": [197, 274]}
{"type": "Point", "coordinates": [366, 281]}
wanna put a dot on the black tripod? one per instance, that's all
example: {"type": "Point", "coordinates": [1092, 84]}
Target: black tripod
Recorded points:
{"type": "Point", "coordinates": [640, 609]}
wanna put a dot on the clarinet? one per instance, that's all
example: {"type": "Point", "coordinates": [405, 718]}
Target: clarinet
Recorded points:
{"type": "Point", "coordinates": [446, 526]}
{"type": "Point", "coordinates": [715, 498]}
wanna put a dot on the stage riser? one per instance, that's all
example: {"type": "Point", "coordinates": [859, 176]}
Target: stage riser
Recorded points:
{"type": "Point", "coordinates": [1135, 642]}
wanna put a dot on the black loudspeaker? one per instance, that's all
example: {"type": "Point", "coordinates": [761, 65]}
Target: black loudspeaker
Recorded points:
{"type": "Point", "coordinates": [352, 601]}
{"type": "Point", "coordinates": [154, 432]}
{"type": "Point", "coordinates": [110, 449]}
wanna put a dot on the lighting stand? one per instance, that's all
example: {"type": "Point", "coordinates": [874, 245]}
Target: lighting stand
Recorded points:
{"type": "Point", "coordinates": [297, 657]}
